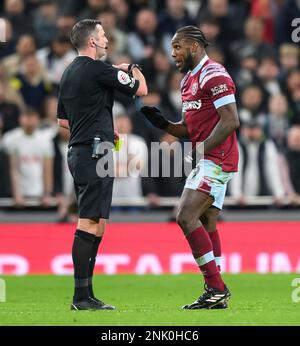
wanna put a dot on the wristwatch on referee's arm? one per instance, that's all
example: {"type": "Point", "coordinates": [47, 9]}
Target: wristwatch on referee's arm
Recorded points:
{"type": "Point", "coordinates": [131, 67]}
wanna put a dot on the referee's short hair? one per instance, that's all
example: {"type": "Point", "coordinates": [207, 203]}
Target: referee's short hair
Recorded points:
{"type": "Point", "coordinates": [193, 33]}
{"type": "Point", "coordinates": [81, 31]}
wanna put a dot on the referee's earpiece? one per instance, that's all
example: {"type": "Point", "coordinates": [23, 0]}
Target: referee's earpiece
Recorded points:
{"type": "Point", "coordinates": [96, 45]}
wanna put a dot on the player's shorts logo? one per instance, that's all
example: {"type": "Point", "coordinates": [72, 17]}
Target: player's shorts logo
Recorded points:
{"type": "Point", "coordinates": [123, 78]}
{"type": "Point", "coordinates": [194, 88]}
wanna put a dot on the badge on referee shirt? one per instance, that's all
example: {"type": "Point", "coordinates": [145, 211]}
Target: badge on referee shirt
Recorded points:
{"type": "Point", "coordinates": [123, 78]}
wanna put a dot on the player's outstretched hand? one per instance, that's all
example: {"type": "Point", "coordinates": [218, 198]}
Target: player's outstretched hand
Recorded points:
{"type": "Point", "coordinates": [155, 117]}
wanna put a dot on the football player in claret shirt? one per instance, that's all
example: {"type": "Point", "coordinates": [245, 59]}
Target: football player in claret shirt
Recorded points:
{"type": "Point", "coordinates": [209, 119]}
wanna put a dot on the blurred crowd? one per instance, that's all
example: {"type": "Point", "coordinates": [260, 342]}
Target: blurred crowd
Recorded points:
{"type": "Point", "coordinates": [253, 39]}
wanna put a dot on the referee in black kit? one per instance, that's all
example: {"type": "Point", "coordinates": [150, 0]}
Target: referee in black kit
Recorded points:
{"type": "Point", "coordinates": [85, 102]}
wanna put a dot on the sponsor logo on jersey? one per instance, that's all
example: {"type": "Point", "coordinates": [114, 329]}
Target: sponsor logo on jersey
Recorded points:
{"type": "Point", "coordinates": [194, 88]}
{"type": "Point", "coordinates": [188, 105]}
{"type": "Point", "coordinates": [123, 78]}
{"type": "Point", "coordinates": [219, 89]}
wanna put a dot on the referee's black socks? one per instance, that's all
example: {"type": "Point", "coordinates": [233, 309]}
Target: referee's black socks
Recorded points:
{"type": "Point", "coordinates": [92, 265]}
{"type": "Point", "coordinates": [82, 251]}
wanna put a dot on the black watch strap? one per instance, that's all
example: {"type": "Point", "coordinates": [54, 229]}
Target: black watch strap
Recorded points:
{"type": "Point", "coordinates": [132, 66]}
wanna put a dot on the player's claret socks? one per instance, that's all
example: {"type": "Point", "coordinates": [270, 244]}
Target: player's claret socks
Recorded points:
{"type": "Point", "coordinates": [92, 266]}
{"type": "Point", "coordinates": [216, 243]}
{"type": "Point", "coordinates": [202, 250]}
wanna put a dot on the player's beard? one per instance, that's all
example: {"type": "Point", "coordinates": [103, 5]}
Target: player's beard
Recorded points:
{"type": "Point", "coordinates": [188, 64]}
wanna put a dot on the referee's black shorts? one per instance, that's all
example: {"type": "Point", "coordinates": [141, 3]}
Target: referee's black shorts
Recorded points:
{"type": "Point", "coordinates": [93, 194]}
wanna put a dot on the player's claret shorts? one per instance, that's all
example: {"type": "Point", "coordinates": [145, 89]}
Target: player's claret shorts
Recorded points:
{"type": "Point", "coordinates": [209, 178]}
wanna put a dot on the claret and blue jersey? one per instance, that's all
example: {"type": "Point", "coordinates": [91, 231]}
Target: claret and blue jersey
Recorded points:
{"type": "Point", "coordinates": [205, 89]}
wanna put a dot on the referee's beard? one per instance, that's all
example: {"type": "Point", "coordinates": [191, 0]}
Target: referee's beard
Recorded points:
{"type": "Point", "coordinates": [100, 53]}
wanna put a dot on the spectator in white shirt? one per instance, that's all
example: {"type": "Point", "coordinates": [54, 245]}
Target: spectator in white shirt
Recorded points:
{"type": "Point", "coordinates": [31, 160]}
{"type": "Point", "coordinates": [63, 181]}
{"type": "Point", "coordinates": [56, 58]}
{"type": "Point", "coordinates": [129, 161]}
{"type": "Point", "coordinates": [259, 172]}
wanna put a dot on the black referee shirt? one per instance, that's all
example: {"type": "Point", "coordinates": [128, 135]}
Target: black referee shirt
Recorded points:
{"type": "Point", "coordinates": [86, 97]}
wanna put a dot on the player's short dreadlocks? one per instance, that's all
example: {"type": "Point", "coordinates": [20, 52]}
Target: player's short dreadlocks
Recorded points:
{"type": "Point", "coordinates": [193, 33]}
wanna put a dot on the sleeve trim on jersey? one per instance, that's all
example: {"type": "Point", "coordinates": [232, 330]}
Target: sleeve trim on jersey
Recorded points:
{"type": "Point", "coordinates": [213, 75]}
{"type": "Point", "coordinates": [224, 101]}
{"type": "Point", "coordinates": [211, 69]}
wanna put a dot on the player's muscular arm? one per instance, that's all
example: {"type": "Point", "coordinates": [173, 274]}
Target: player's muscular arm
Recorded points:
{"type": "Point", "coordinates": [63, 123]}
{"type": "Point", "coordinates": [227, 124]}
{"type": "Point", "coordinates": [179, 129]}
{"type": "Point", "coordinates": [156, 118]}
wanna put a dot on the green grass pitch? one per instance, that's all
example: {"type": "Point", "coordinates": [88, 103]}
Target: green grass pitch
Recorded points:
{"type": "Point", "coordinates": [150, 300]}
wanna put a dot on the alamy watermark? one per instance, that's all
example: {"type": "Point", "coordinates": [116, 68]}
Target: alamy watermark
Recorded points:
{"type": "Point", "coordinates": [162, 159]}
{"type": "Point", "coordinates": [296, 32]}
{"type": "Point", "coordinates": [2, 30]}
{"type": "Point", "coordinates": [2, 291]}
{"type": "Point", "coordinates": [296, 292]}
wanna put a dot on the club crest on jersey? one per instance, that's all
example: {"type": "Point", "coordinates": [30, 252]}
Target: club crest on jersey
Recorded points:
{"type": "Point", "coordinates": [194, 88]}
{"type": "Point", "coordinates": [123, 78]}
